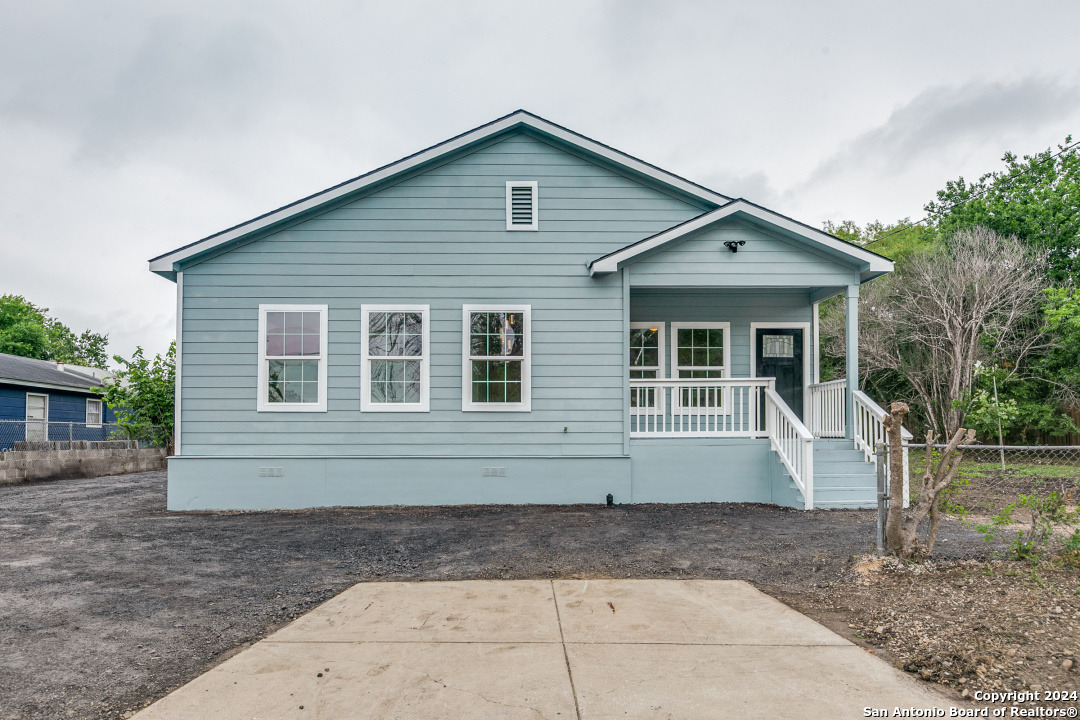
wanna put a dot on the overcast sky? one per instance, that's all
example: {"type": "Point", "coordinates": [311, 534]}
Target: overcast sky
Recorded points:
{"type": "Point", "coordinates": [128, 129]}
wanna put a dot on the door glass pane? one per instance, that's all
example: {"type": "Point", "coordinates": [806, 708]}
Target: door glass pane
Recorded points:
{"type": "Point", "coordinates": [778, 346]}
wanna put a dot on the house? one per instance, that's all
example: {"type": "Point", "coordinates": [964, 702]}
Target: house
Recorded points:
{"type": "Point", "coordinates": [44, 400]}
{"type": "Point", "coordinates": [519, 314]}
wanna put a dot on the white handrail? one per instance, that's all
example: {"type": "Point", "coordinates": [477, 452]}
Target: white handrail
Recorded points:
{"type": "Point", "coordinates": [869, 426]}
{"type": "Point", "coordinates": [827, 401]}
{"type": "Point", "coordinates": [690, 407]}
{"type": "Point", "coordinates": [793, 442]}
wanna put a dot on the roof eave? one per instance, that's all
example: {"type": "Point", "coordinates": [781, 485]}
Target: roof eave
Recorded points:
{"type": "Point", "coordinates": [169, 263]}
{"type": "Point", "coordinates": [872, 264]}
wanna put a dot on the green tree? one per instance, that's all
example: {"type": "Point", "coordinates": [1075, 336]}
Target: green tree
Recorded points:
{"type": "Point", "coordinates": [1036, 198]}
{"type": "Point", "coordinates": [142, 394]}
{"type": "Point", "coordinates": [22, 328]}
{"type": "Point", "coordinates": [27, 330]}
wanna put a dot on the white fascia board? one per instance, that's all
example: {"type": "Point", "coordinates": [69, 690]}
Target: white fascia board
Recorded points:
{"type": "Point", "coordinates": [167, 263]}
{"type": "Point", "coordinates": [874, 263]}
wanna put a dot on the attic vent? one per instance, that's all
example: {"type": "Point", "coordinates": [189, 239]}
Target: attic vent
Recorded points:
{"type": "Point", "coordinates": [521, 205]}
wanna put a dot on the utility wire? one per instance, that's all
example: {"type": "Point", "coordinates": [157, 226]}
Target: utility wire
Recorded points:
{"type": "Point", "coordinates": [964, 202]}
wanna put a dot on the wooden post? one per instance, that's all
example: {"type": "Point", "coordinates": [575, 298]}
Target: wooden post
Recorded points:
{"type": "Point", "coordinates": [852, 296]}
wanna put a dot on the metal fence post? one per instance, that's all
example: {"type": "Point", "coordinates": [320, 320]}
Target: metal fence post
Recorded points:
{"type": "Point", "coordinates": [882, 496]}
{"type": "Point", "coordinates": [71, 432]}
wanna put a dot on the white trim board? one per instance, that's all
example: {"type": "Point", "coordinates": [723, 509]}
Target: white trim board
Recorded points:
{"type": "Point", "coordinates": [179, 362]}
{"type": "Point", "coordinates": [661, 339]}
{"type": "Point", "coordinates": [673, 342]}
{"type": "Point", "coordinates": [166, 264]}
{"type": "Point", "coordinates": [806, 363]}
{"type": "Point", "coordinates": [467, 405]}
{"type": "Point", "coordinates": [366, 403]}
{"type": "Point", "coordinates": [101, 413]}
{"type": "Point", "coordinates": [262, 401]}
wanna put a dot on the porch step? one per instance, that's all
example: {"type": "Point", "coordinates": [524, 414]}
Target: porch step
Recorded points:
{"type": "Point", "coordinates": [845, 480]}
{"type": "Point", "coordinates": [842, 476]}
{"type": "Point", "coordinates": [842, 466]}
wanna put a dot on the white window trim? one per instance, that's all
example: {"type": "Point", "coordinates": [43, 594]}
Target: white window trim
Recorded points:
{"type": "Point", "coordinates": [263, 403]}
{"type": "Point", "coordinates": [535, 225]}
{"type": "Point", "coordinates": [807, 364]}
{"type": "Point", "coordinates": [366, 405]}
{"type": "Point", "coordinates": [661, 371]}
{"type": "Point", "coordinates": [725, 371]}
{"type": "Point", "coordinates": [467, 405]}
{"type": "Point", "coordinates": [100, 413]}
{"type": "Point", "coordinates": [661, 340]}
{"type": "Point", "coordinates": [26, 407]}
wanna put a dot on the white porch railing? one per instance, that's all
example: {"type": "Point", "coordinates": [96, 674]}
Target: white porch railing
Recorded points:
{"type": "Point", "coordinates": [827, 409]}
{"type": "Point", "coordinates": [869, 426]}
{"type": "Point", "coordinates": [697, 408]}
{"type": "Point", "coordinates": [747, 407]}
{"type": "Point", "coordinates": [793, 442]}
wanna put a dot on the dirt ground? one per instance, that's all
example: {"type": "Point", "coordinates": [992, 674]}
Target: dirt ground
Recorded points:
{"type": "Point", "coordinates": [107, 601]}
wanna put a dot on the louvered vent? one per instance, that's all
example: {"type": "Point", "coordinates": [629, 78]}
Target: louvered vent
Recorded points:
{"type": "Point", "coordinates": [521, 210]}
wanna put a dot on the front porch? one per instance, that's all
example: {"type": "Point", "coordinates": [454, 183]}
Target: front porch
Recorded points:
{"type": "Point", "coordinates": [734, 420]}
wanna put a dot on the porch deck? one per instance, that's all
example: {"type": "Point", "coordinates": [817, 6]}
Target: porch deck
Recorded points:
{"type": "Point", "coordinates": [834, 472]}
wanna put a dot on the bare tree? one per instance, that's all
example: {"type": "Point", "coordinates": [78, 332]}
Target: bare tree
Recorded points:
{"type": "Point", "coordinates": [902, 529]}
{"type": "Point", "coordinates": [943, 311]}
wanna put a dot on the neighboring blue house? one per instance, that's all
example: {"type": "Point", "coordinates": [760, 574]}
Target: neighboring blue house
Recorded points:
{"type": "Point", "coordinates": [44, 400]}
{"type": "Point", "coordinates": [517, 315]}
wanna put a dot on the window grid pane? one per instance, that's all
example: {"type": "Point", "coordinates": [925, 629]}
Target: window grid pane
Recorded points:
{"type": "Point", "coordinates": [293, 334]}
{"type": "Point", "coordinates": [395, 334]}
{"type": "Point", "coordinates": [699, 354]}
{"type": "Point", "coordinates": [497, 334]}
{"type": "Point", "coordinates": [292, 381]}
{"type": "Point", "coordinates": [496, 381]}
{"type": "Point", "coordinates": [645, 348]}
{"type": "Point", "coordinates": [395, 381]}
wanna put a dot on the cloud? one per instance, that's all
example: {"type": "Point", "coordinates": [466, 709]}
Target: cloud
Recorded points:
{"type": "Point", "coordinates": [945, 118]}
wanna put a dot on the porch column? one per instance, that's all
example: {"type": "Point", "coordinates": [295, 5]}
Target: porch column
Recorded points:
{"type": "Point", "coordinates": [852, 334]}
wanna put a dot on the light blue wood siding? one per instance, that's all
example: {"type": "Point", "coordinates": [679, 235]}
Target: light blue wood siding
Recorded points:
{"type": "Point", "coordinates": [738, 307]}
{"type": "Point", "coordinates": [437, 238]}
{"type": "Point", "coordinates": [766, 260]}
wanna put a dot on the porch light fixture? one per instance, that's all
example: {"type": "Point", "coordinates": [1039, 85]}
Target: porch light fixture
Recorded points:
{"type": "Point", "coordinates": [733, 245]}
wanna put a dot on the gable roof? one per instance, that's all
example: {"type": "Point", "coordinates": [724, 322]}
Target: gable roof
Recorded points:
{"type": "Point", "coordinates": [166, 265]}
{"type": "Point", "coordinates": [870, 264]}
{"type": "Point", "coordinates": [48, 374]}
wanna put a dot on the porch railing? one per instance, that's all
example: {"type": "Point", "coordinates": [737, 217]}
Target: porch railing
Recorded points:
{"type": "Point", "coordinates": [827, 409]}
{"type": "Point", "coordinates": [869, 426]}
{"type": "Point", "coordinates": [697, 408]}
{"type": "Point", "coordinates": [793, 442]}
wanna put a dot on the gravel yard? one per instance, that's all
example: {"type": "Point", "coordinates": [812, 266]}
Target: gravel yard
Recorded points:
{"type": "Point", "coordinates": [107, 601]}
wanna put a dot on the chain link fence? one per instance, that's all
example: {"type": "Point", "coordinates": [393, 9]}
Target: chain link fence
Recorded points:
{"type": "Point", "coordinates": [41, 435]}
{"type": "Point", "coordinates": [990, 477]}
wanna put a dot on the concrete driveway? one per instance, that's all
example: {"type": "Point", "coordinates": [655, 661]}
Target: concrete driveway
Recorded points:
{"type": "Point", "coordinates": [549, 649]}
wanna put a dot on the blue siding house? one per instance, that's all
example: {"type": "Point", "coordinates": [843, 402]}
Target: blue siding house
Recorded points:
{"type": "Point", "coordinates": [43, 400]}
{"type": "Point", "coordinates": [517, 315]}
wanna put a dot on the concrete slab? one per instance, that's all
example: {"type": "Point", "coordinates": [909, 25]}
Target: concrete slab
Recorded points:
{"type": "Point", "coordinates": [514, 611]}
{"type": "Point", "coordinates": [729, 612]}
{"type": "Point", "coordinates": [830, 682]}
{"type": "Point", "coordinates": [564, 649]}
{"type": "Point", "coordinates": [378, 680]}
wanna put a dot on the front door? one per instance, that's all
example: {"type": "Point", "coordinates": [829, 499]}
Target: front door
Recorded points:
{"type": "Point", "coordinates": [780, 356]}
{"type": "Point", "coordinates": [37, 417]}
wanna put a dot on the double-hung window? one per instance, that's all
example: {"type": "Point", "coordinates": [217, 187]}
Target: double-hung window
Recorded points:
{"type": "Point", "coordinates": [646, 362]}
{"type": "Point", "coordinates": [292, 358]}
{"type": "Point", "coordinates": [700, 351]}
{"type": "Point", "coordinates": [396, 358]}
{"type": "Point", "coordinates": [93, 413]}
{"type": "Point", "coordinates": [496, 357]}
